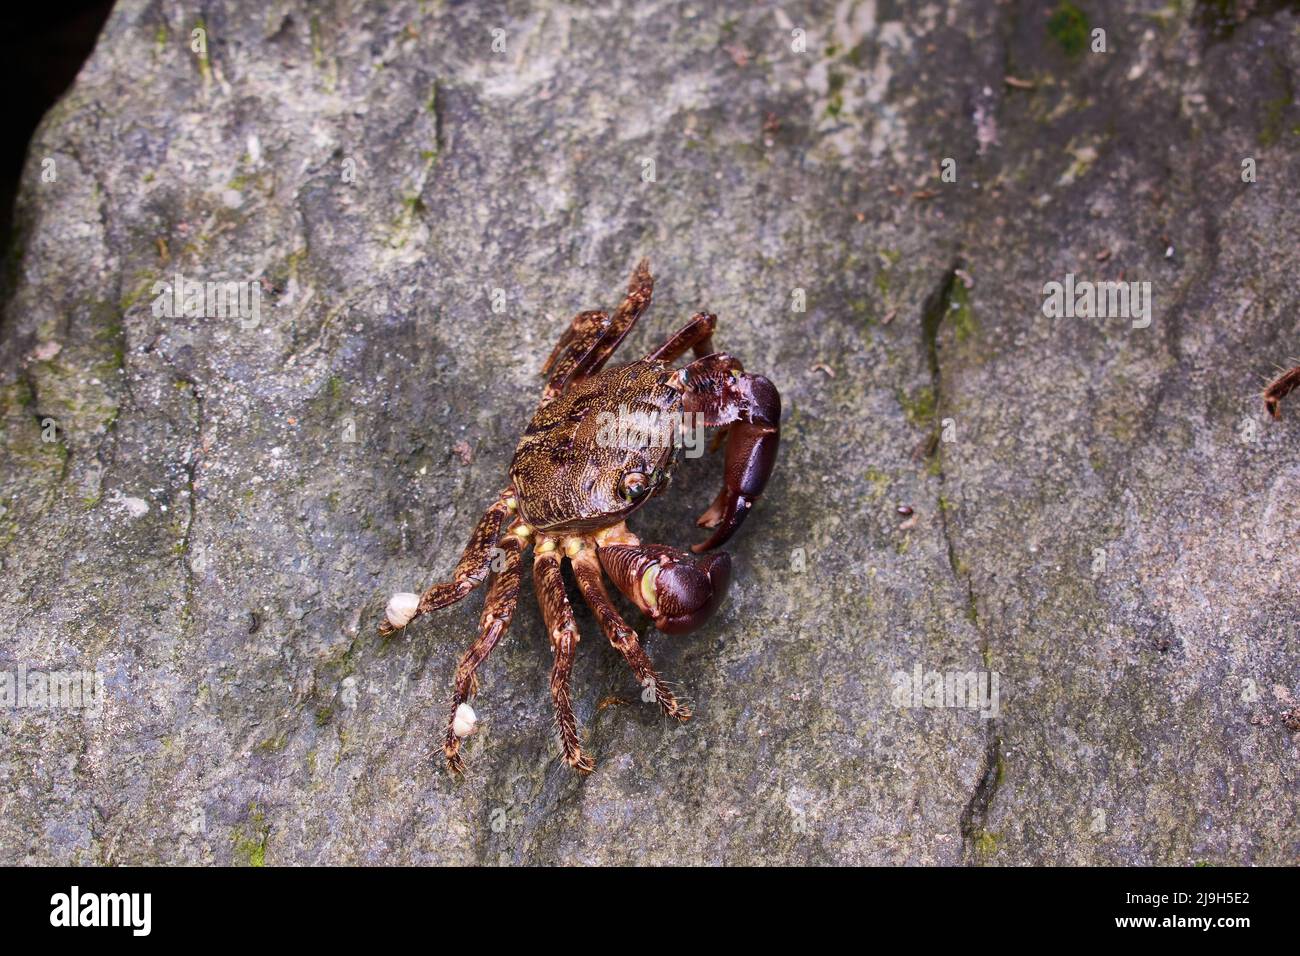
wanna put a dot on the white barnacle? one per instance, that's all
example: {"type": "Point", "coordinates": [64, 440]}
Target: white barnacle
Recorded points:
{"type": "Point", "coordinates": [401, 608]}
{"type": "Point", "coordinates": [465, 722]}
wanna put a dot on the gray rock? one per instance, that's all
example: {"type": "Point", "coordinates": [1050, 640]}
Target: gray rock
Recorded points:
{"type": "Point", "coordinates": [1111, 530]}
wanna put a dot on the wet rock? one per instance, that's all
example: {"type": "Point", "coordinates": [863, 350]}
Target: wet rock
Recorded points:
{"type": "Point", "coordinates": [414, 205]}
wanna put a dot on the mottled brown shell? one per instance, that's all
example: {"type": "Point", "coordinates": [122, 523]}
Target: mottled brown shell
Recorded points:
{"type": "Point", "coordinates": [566, 472]}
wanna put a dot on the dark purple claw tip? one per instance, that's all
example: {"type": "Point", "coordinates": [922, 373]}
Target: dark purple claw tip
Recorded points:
{"type": "Point", "coordinates": [688, 594]}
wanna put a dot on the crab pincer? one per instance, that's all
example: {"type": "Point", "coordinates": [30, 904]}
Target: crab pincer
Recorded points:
{"type": "Point", "coordinates": [678, 591]}
{"type": "Point", "coordinates": [717, 389]}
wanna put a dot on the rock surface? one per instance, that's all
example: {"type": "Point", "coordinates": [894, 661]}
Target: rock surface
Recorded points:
{"type": "Point", "coordinates": [223, 508]}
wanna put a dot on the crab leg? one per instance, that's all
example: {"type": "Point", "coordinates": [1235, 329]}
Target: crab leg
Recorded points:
{"type": "Point", "coordinates": [558, 617]}
{"type": "Point", "coordinates": [502, 596]}
{"type": "Point", "coordinates": [1280, 388]}
{"type": "Point", "coordinates": [587, 572]}
{"type": "Point", "coordinates": [716, 388]}
{"type": "Point", "coordinates": [583, 331]}
{"type": "Point", "coordinates": [696, 334]}
{"type": "Point", "coordinates": [472, 568]}
{"type": "Point", "coordinates": [593, 336]}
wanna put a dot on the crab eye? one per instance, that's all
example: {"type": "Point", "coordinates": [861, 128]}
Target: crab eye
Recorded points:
{"type": "Point", "coordinates": [633, 485]}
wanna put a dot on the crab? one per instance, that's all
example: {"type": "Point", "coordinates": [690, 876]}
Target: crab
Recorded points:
{"type": "Point", "coordinates": [573, 484]}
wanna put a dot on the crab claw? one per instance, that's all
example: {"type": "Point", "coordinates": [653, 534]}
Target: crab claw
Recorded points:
{"type": "Point", "coordinates": [679, 592]}
{"type": "Point", "coordinates": [753, 405]}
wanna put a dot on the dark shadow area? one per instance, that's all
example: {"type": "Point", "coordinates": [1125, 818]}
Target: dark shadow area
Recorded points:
{"type": "Point", "coordinates": [42, 46]}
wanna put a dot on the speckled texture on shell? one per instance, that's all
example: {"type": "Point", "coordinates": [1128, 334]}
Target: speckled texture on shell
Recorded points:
{"type": "Point", "coordinates": [571, 457]}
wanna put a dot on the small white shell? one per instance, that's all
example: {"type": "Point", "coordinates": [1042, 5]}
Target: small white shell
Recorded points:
{"type": "Point", "coordinates": [465, 722]}
{"type": "Point", "coordinates": [401, 608]}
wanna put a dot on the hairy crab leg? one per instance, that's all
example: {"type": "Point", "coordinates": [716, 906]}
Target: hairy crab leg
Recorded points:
{"type": "Point", "coordinates": [473, 566]}
{"type": "Point", "coordinates": [502, 596]}
{"type": "Point", "coordinates": [716, 388]}
{"type": "Point", "coordinates": [1280, 388]}
{"type": "Point", "coordinates": [697, 334]}
{"type": "Point", "coordinates": [593, 336]}
{"type": "Point", "coordinates": [583, 331]}
{"type": "Point", "coordinates": [587, 572]}
{"type": "Point", "coordinates": [548, 582]}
